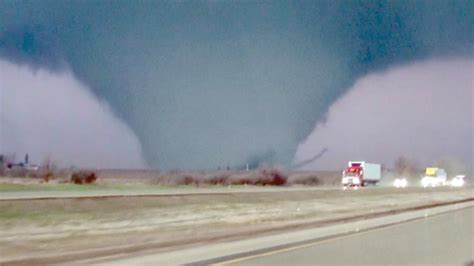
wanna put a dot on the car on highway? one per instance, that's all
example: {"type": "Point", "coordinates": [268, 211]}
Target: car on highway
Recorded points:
{"type": "Point", "coordinates": [458, 181]}
{"type": "Point", "coordinates": [400, 182]}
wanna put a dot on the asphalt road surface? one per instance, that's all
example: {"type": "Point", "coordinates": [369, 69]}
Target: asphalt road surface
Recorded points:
{"type": "Point", "coordinates": [444, 239]}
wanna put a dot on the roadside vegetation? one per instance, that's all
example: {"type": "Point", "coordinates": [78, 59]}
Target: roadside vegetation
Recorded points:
{"type": "Point", "coordinates": [78, 180]}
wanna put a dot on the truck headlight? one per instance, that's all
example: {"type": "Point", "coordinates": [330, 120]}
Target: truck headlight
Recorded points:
{"type": "Point", "coordinates": [400, 183]}
{"type": "Point", "coordinates": [457, 183]}
{"type": "Point", "coordinates": [403, 182]}
{"type": "Point", "coordinates": [396, 183]}
{"type": "Point", "coordinates": [425, 182]}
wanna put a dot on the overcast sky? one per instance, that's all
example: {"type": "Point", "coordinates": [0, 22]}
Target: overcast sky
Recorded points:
{"type": "Point", "coordinates": [53, 116]}
{"type": "Point", "coordinates": [422, 111]}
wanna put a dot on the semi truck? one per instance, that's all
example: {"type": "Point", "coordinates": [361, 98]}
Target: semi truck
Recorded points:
{"type": "Point", "coordinates": [360, 173]}
{"type": "Point", "coordinates": [434, 177]}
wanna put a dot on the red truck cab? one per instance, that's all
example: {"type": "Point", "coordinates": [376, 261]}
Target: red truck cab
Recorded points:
{"type": "Point", "coordinates": [353, 176]}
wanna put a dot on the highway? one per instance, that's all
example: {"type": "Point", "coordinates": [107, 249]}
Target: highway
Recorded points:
{"type": "Point", "coordinates": [441, 235]}
{"type": "Point", "coordinates": [445, 239]}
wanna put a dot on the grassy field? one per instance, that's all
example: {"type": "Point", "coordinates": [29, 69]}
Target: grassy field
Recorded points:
{"type": "Point", "coordinates": [34, 228]}
{"type": "Point", "coordinates": [9, 187]}
{"type": "Point", "coordinates": [128, 180]}
{"type": "Point", "coordinates": [57, 211]}
{"type": "Point", "coordinates": [264, 176]}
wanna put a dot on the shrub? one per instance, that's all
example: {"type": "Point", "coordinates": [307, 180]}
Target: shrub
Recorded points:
{"type": "Point", "coordinates": [16, 171]}
{"type": "Point", "coordinates": [273, 177]}
{"type": "Point", "coordinates": [263, 177]}
{"type": "Point", "coordinates": [219, 178]}
{"type": "Point", "coordinates": [83, 177]}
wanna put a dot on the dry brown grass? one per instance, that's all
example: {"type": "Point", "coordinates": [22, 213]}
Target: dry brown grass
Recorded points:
{"type": "Point", "coordinates": [268, 176]}
{"type": "Point", "coordinates": [262, 177]}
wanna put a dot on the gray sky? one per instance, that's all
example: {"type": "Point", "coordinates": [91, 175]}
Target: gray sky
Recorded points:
{"type": "Point", "coordinates": [52, 115]}
{"type": "Point", "coordinates": [422, 111]}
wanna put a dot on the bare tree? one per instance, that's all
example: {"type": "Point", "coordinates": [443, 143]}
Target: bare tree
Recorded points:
{"type": "Point", "coordinates": [2, 165]}
{"type": "Point", "coordinates": [405, 167]}
{"type": "Point", "coordinates": [452, 166]}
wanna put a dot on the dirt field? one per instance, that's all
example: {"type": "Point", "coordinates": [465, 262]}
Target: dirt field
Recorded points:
{"type": "Point", "coordinates": [60, 230]}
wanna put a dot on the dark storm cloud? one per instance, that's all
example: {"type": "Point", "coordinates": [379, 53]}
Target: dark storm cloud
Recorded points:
{"type": "Point", "coordinates": [206, 84]}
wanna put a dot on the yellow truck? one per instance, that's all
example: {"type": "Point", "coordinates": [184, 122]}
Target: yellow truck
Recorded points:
{"type": "Point", "coordinates": [434, 177]}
